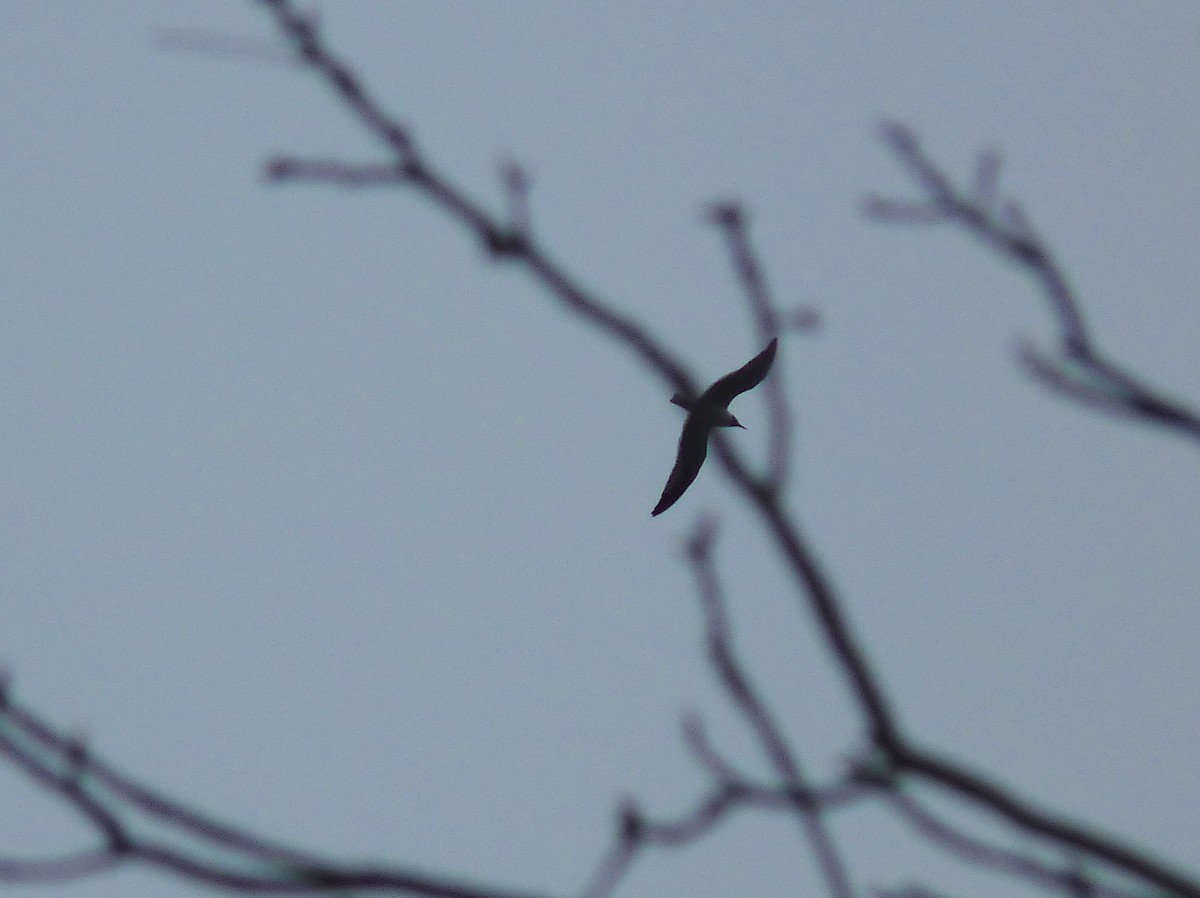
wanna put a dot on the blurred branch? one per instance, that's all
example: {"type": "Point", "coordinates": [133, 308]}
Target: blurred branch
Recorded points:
{"type": "Point", "coordinates": [341, 174]}
{"type": "Point", "coordinates": [1025, 815]}
{"type": "Point", "coordinates": [636, 831]}
{"type": "Point", "coordinates": [812, 582]}
{"type": "Point", "coordinates": [108, 800]}
{"type": "Point", "coordinates": [732, 221]}
{"type": "Point", "coordinates": [500, 240]}
{"type": "Point", "coordinates": [976, 213]}
{"type": "Point", "coordinates": [1069, 879]}
{"type": "Point", "coordinates": [213, 853]}
{"type": "Point", "coordinates": [747, 700]}
{"type": "Point", "coordinates": [1077, 370]}
{"type": "Point", "coordinates": [911, 891]}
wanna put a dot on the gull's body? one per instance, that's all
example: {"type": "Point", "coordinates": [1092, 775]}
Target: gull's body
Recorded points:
{"type": "Point", "coordinates": [710, 410]}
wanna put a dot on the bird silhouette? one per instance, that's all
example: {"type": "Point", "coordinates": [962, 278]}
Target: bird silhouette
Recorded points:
{"type": "Point", "coordinates": [710, 410]}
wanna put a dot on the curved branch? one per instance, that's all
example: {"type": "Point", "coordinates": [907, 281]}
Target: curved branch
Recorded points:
{"type": "Point", "coordinates": [754, 709]}
{"type": "Point", "coordinates": [1080, 372]}
{"type": "Point", "coordinates": [108, 800]}
{"type": "Point", "coordinates": [732, 220]}
{"type": "Point", "coordinates": [762, 493]}
{"type": "Point", "coordinates": [62, 767]}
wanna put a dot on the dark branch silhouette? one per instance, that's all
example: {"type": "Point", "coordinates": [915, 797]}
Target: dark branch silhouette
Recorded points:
{"type": "Point", "coordinates": [1078, 370]}
{"type": "Point", "coordinates": [732, 220]}
{"type": "Point", "coordinates": [890, 760]}
{"type": "Point", "coordinates": [119, 808]}
{"type": "Point", "coordinates": [747, 700]}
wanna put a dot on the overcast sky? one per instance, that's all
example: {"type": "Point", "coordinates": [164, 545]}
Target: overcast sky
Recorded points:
{"type": "Point", "coordinates": [315, 518]}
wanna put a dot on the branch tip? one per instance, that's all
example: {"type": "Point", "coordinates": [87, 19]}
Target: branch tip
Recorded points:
{"type": "Point", "coordinates": [727, 214]}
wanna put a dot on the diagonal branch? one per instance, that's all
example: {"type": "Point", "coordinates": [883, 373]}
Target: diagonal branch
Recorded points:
{"type": "Point", "coordinates": [636, 831]}
{"type": "Point", "coordinates": [1069, 880]}
{"type": "Point", "coordinates": [498, 239]}
{"type": "Point", "coordinates": [754, 710]}
{"type": "Point", "coordinates": [1079, 371]}
{"type": "Point", "coordinates": [214, 853]}
{"type": "Point", "coordinates": [811, 580]}
{"type": "Point", "coordinates": [732, 221]}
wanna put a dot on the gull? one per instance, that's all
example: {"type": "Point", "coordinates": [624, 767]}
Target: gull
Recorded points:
{"type": "Point", "coordinates": [709, 411]}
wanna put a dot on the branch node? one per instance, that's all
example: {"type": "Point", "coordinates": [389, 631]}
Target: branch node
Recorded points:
{"type": "Point", "coordinates": [727, 214]}
{"type": "Point", "coordinates": [504, 242]}
{"type": "Point", "coordinates": [279, 168]}
{"type": "Point", "coordinates": [633, 824]}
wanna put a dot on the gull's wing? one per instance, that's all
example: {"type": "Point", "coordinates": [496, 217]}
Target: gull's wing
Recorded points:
{"type": "Point", "coordinates": [693, 447]}
{"type": "Point", "coordinates": [747, 377]}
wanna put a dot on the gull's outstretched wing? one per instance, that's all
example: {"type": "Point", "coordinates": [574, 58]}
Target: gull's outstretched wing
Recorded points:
{"type": "Point", "coordinates": [693, 447]}
{"type": "Point", "coordinates": [747, 377]}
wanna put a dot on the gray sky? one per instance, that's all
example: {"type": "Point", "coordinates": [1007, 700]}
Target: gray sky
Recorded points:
{"type": "Point", "coordinates": [316, 518]}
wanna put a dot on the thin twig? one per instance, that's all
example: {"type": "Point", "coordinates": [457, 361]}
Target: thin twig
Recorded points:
{"type": "Point", "coordinates": [504, 240]}
{"type": "Point", "coordinates": [1069, 881]}
{"type": "Point", "coordinates": [811, 579]}
{"type": "Point", "coordinates": [636, 831]}
{"type": "Point", "coordinates": [107, 800]}
{"type": "Point", "coordinates": [754, 710]}
{"type": "Point", "coordinates": [732, 221]}
{"type": "Point", "coordinates": [1079, 371]}
{"type": "Point", "coordinates": [696, 739]}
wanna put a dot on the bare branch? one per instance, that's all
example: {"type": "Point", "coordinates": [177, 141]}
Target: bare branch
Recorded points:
{"type": "Point", "coordinates": [902, 211]}
{"type": "Point", "coordinates": [1080, 371]}
{"type": "Point", "coordinates": [499, 238]}
{"type": "Point", "coordinates": [801, 561]}
{"type": "Point", "coordinates": [954, 205]}
{"type": "Point", "coordinates": [696, 739]}
{"type": "Point", "coordinates": [754, 709]}
{"type": "Point", "coordinates": [1025, 815]}
{"type": "Point", "coordinates": [1068, 879]}
{"type": "Point", "coordinates": [732, 221]}
{"type": "Point", "coordinates": [810, 579]}
{"type": "Point", "coordinates": [911, 891]}
{"type": "Point", "coordinates": [330, 171]}
{"type": "Point", "coordinates": [636, 832]}
{"type": "Point", "coordinates": [108, 801]}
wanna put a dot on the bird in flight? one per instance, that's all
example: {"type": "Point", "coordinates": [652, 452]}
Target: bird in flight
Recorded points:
{"type": "Point", "coordinates": [709, 411]}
